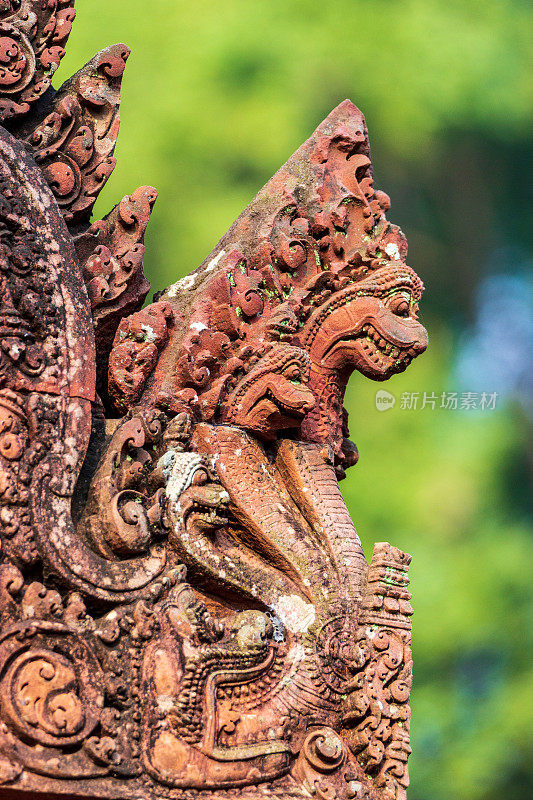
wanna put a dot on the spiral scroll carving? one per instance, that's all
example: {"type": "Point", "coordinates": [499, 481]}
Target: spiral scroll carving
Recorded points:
{"type": "Point", "coordinates": [50, 685]}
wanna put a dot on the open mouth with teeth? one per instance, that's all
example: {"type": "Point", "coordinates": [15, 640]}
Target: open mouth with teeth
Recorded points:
{"type": "Point", "coordinates": [382, 352]}
{"type": "Point", "coordinates": [209, 518]}
{"type": "Point", "coordinates": [208, 512]}
{"type": "Point", "coordinates": [376, 355]}
{"type": "Point", "coordinates": [376, 333]}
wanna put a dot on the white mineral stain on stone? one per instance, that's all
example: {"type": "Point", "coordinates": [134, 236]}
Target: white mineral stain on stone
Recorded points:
{"type": "Point", "coordinates": [185, 283]}
{"type": "Point", "coordinates": [198, 326]}
{"type": "Point", "coordinates": [149, 333]}
{"type": "Point", "coordinates": [295, 656]}
{"type": "Point", "coordinates": [295, 613]}
{"type": "Point", "coordinates": [179, 470]}
{"type": "Point", "coordinates": [392, 250]}
{"type": "Point", "coordinates": [165, 703]}
{"type": "Point", "coordinates": [214, 261]}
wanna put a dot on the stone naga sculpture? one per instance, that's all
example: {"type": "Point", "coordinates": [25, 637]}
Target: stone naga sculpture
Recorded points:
{"type": "Point", "coordinates": [186, 609]}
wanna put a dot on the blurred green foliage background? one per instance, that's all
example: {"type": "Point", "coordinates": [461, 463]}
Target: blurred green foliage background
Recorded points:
{"type": "Point", "coordinates": [217, 95]}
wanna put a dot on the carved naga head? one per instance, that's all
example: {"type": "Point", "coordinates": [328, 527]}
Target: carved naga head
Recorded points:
{"type": "Point", "coordinates": [371, 326]}
{"type": "Point", "coordinates": [273, 396]}
{"type": "Point", "coordinates": [309, 284]}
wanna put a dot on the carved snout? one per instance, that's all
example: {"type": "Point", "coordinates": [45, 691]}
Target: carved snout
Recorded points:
{"type": "Point", "coordinates": [403, 332]}
{"type": "Point", "coordinates": [251, 629]}
{"type": "Point", "coordinates": [297, 399]}
{"type": "Point", "coordinates": [204, 499]}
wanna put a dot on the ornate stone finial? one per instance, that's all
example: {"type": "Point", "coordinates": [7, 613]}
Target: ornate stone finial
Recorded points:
{"type": "Point", "coordinates": [185, 606]}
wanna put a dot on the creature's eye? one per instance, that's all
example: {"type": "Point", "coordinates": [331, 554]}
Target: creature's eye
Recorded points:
{"type": "Point", "coordinates": [200, 478]}
{"type": "Point", "coordinates": [293, 373]}
{"type": "Point", "coordinates": [400, 304]}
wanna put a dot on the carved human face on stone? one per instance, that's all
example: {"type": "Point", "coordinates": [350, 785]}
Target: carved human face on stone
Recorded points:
{"type": "Point", "coordinates": [274, 395]}
{"type": "Point", "coordinates": [371, 327]}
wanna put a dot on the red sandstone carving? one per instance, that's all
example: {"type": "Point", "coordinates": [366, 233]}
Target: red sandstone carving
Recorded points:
{"type": "Point", "coordinates": [110, 253]}
{"type": "Point", "coordinates": [185, 604]}
{"type": "Point", "coordinates": [75, 140]}
{"type": "Point", "coordinates": [32, 35]}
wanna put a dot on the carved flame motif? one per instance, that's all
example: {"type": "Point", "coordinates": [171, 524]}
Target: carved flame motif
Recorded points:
{"type": "Point", "coordinates": [185, 604]}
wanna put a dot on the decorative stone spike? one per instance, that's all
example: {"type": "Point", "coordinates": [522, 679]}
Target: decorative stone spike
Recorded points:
{"type": "Point", "coordinates": [74, 143]}
{"type": "Point", "coordinates": [110, 254]}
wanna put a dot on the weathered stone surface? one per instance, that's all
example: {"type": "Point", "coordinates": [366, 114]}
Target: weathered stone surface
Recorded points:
{"type": "Point", "coordinates": [75, 139]}
{"type": "Point", "coordinates": [110, 253]}
{"type": "Point", "coordinates": [186, 609]}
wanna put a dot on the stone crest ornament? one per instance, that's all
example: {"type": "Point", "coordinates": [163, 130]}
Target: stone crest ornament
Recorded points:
{"type": "Point", "coordinates": [186, 609]}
